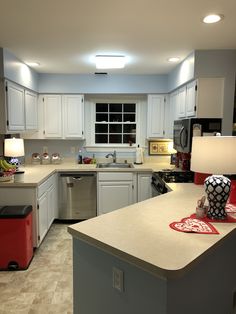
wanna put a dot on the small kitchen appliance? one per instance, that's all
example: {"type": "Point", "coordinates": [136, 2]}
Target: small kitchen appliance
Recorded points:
{"type": "Point", "coordinates": [186, 129]}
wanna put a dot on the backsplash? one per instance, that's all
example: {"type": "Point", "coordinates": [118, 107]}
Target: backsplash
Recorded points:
{"type": "Point", "coordinates": [69, 150]}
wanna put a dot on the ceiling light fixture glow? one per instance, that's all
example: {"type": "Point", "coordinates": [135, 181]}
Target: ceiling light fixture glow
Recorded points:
{"type": "Point", "coordinates": [109, 62]}
{"type": "Point", "coordinates": [212, 18]}
{"type": "Point", "coordinates": [174, 59]}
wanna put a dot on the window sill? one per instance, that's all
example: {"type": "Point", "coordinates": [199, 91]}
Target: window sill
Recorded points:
{"type": "Point", "coordinates": [108, 147]}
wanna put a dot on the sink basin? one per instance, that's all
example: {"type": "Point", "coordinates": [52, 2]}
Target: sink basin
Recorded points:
{"type": "Point", "coordinates": [115, 165]}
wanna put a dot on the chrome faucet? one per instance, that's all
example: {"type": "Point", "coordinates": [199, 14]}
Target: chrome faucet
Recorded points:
{"type": "Point", "coordinates": [112, 155]}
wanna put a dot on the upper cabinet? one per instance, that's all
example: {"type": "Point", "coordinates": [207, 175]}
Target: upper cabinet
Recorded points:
{"type": "Point", "coordinates": [52, 116]}
{"type": "Point", "coordinates": [31, 111]}
{"type": "Point", "coordinates": [60, 117]}
{"type": "Point", "coordinates": [73, 116]}
{"type": "Point", "coordinates": [155, 116]}
{"type": "Point", "coordinates": [15, 107]}
{"type": "Point", "coordinates": [202, 98]}
{"type": "Point", "coordinates": [18, 109]}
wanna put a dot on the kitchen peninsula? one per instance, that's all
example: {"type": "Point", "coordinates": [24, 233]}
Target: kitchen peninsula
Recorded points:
{"type": "Point", "coordinates": [159, 270]}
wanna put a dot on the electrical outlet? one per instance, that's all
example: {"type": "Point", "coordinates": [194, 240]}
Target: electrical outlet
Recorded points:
{"type": "Point", "coordinates": [72, 149]}
{"type": "Point", "coordinates": [45, 149]}
{"type": "Point", "coordinates": [118, 279]}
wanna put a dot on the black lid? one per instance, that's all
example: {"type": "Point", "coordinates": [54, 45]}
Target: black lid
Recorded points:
{"type": "Point", "coordinates": [19, 172]}
{"type": "Point", "coordinates": [20, 211]}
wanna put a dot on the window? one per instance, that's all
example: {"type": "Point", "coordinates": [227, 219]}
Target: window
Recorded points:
{"type": "Point", "coordinates": [115, 123]}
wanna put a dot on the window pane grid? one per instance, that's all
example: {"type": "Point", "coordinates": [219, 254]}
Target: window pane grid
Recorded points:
{"type": "Point", "coordinates": [115, 123]}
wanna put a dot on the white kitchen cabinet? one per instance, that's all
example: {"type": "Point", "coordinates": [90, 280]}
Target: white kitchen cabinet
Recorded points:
{"type": "Point", "coordinates": [190, 105]}
{"type": "Point", "coordinates": [47, 205]}
{"type": "Point", "coordinates": [155, 116]}
{"type": "Point", "coordinates": [52, 116]}
{"type": "Point", "coordinates": [18, 110]}
{"type": "Point", "coordinates": [73, 116]}
{"type": "Point", "coordinates": [42, 216]}
{"type": "Point", "coordinates": [115, 190]}
{"type": "Point", "coordinates": [59, 117]}
{"type": "Point", "coordinates": [169, 116]}
{"type": "Point", "coordinates": [181, 103]}
{"type": "Point", "coordinates": [144, 186]}
{"type": "Point", "coordinates": [202, 98]}
{"type": "Point", "coordinates": [31, 111]}
{"type": "Point", "coordinates": [15, 107]}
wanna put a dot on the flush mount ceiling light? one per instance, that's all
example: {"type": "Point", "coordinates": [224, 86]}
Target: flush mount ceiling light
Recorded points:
{"type": "Point", "coordinates": [212, 18]}
{"type": "Point", "coordinates": [33, 64]}
{"type": "Point", "coordinates": [109, 62]}
{"type": "Point", "coordinates": [173, 59]}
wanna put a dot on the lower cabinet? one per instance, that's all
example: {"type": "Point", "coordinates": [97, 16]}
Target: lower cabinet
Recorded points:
{"type": "Point", "coordinates": [115, 190]}
{"type": "Point", "coordinates": [144, 186]}
{"type": "Point", "coordinates": [47, 205]}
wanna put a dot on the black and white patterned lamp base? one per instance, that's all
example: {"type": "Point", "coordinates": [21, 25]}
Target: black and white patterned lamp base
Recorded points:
{"type": "Point", "coordinates": [217, 189]}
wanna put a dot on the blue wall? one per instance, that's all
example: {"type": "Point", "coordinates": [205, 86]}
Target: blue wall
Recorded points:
{"type": "Point", "coordinates": [102, 84]}
{"type": "Point", "coordinates": [17, 71]}
{"type": "Point", "coordinates": [182, 73]}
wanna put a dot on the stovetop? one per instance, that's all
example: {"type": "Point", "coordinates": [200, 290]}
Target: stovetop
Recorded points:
{"type": "Point", "coordinates": [176, 176]}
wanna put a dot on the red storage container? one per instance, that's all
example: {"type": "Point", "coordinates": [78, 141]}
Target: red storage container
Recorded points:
{"type": "Point", "coordinates": [16, 245]}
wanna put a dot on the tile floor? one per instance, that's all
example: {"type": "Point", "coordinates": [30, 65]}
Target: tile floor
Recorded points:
{"type": "Point", "coordinates": [46, 286]}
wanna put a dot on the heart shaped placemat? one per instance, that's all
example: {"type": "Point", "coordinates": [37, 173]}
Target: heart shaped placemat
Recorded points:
{"type": "Point", "coordinates": [193, 225]}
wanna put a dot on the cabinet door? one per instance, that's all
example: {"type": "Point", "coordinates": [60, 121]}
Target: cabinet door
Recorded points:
{"type": "Point", "coordinates": [114, 195]}
{"type": "Point", "coordinates": [181, 99]}
{"type": "Point", "coordinates": [191, 99]}
{"type": "Point", "coordinates": [169, 117]}
{"type": "Point", "coordinates": [51, 205]}
{"type": "Point", "coordinates": [31, 111]}
{"type": "Point", "coordinates": [15, 107]}
{"type": "Point", "coordinates": [155, 116]}
{"type": "Point", "coordinates": [42, 216]}
{"type": "Point", "coordinates": [144, 186]}
{"type": "Point", "coordinates": [52, 116]}
{"type": "Point", "coordinates": [73, 116]}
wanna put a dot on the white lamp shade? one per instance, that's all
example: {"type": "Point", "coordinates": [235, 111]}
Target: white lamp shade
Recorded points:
{"type": "Point", "coordinates": [214, 154]}
{"type": "Point", "coordinates": [14, 147]}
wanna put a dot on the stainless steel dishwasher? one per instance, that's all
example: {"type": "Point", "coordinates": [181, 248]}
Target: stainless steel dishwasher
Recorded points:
{"type": "Point", "coordinates": [77, 195]}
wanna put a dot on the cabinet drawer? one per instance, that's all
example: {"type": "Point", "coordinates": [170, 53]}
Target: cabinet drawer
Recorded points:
{"type": "Point", "coordinates": [117, 176]}
{"type": "Point", "coordinates": [42, 188]}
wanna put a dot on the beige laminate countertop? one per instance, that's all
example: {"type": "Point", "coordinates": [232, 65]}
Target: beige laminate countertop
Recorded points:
{"type": "Point", "coordinates": [36, 174]}
{"type": "Point", "coordinates": [140, 233]}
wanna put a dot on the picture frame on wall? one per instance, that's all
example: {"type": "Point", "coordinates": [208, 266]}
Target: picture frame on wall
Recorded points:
{"type": "Point", "coordinates": [158, 148]}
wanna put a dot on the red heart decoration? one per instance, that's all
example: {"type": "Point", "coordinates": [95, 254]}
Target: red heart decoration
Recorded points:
{"type": "Point", "coordinates": [193, 225]}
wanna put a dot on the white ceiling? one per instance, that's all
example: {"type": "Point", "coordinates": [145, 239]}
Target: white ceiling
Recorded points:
{"type": "Point", "coordinates": [63, 35]}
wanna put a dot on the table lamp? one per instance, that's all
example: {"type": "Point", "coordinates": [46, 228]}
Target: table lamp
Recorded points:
{"type": "Point", "coordinates": [14, 147]}
{"type": "Point", "coordinates": [215, 155]}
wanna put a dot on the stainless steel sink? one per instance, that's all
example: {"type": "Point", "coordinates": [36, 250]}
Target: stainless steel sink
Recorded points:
{"type": "Point", "coordinates": [115, 165]}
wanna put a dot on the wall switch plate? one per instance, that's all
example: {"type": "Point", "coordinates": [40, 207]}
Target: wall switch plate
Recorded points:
{"type": "Point", "coordinates": [118, 279]}
{"type": "Point", "coordinates": [72, 149]}
{"type": "Point", "coordinates": [45, 149]}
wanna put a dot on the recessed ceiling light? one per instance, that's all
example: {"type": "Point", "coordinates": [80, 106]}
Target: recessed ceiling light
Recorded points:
{"type": "Point", "coordinates": [109, 62]}
{"type": "Point", "coordinates": [33, 64]}
{"type": "Point", "coordinates": [173, 59]}
{"type": "Point", "coordinates": [212, 18]}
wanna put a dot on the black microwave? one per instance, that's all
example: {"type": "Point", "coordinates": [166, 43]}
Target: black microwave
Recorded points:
{"type": "Point", "coordinates": [185, 129]}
